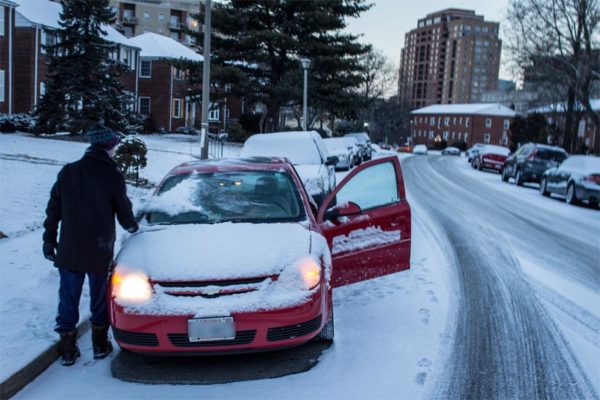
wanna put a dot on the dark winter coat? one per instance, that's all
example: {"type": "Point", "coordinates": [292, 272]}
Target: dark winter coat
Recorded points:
{"type": "Point", "coordinates": [85, 199]}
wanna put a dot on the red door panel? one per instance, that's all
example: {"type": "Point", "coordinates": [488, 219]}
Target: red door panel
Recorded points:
{"type": "Point", "coordinates": [372, 239]}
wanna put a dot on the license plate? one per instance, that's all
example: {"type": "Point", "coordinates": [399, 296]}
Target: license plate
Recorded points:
{"type": "Point", "coordinates": [209, 329]}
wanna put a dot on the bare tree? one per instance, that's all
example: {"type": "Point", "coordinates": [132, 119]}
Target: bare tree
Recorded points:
{"type": "Point", "coordinates": [559, 41]}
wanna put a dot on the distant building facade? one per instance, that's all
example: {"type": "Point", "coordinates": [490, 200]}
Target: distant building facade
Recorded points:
{"type": "Point", "coordinates": [453, 56]}
{"type": "Point", "coordinates": [7, 49]}
{"type": "Point", "coordinates": [167, 18]}
{"type": "Point", "coordinates": [469, 123]}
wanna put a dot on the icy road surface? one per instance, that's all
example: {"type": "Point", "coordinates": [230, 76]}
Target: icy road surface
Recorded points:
{"type": "Point", "coordinates": [527, 286]}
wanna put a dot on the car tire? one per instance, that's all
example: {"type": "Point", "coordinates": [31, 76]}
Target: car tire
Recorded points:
{"type": "Point", "coordinates": [504, 175]}
{"type": "Point", "coordinates": [327, 333]}
{"type": "Point", "coordinates": [543, 189]}
{"type": "Point", "coordinates": [479, 166]}
{"type": "Point", "coordinates": [571, 196]}
{"type": "Point", "coordinates": [519, 178]}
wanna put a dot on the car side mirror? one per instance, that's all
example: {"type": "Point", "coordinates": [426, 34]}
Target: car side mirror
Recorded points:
{"type": "Point", "coordinates": [342, 210]}
{"type": "Point", "coordinates": [332, 160]}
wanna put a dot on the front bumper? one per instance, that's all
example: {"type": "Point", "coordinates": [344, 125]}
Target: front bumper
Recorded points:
{"type": "Point", "coordinates": [255, 331]}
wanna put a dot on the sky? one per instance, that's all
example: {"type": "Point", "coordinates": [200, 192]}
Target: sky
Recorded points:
{"type": "Point", "coordinates": [386, 23]}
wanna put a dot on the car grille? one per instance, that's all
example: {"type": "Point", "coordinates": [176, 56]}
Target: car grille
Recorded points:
{"type": "Point", "coordinates": [137, 338]}
{"type": "Point", "coordinates": [292, 331]}
{"type": "Point", "coordinates": [241, 337]}
{"type": "Point", "coordinates": [212, 289]}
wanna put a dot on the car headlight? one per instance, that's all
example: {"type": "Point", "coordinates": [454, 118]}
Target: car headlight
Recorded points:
{"type": "Point", "coordinates": [133, 287]}
{"type": "Point", "coordinates": [306, 272]}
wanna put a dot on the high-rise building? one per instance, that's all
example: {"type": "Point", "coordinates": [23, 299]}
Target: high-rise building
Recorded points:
{"type": "Point", "coordinates": [451, 57]}
{"type": "Point", "coordinates": [167, 18]}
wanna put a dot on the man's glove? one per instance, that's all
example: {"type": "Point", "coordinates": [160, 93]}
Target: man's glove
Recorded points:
{"type": "Point", "coordinates": [49, 251]}
{"type": "Point", "coordinates": [133, 229]}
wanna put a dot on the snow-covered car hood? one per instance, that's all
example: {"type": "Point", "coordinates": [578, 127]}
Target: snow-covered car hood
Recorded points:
{"type": "Point", "coordinates": [214, 251]}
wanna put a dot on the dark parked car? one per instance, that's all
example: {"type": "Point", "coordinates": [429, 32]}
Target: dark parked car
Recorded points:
{"type": "Point", "coordinates": [578, 178]}
{"type": "Point", "coordinates": [530, 161]}
{"type": "Point", "coordinates": [364, 142]}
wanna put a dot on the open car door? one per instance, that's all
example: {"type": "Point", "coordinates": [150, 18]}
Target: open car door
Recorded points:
{"type": "Point", "coordinates": [366, 221]}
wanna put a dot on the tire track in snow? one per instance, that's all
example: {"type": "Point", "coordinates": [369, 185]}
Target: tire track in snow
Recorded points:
{"type": "Point", "coordinates": [505, 344]}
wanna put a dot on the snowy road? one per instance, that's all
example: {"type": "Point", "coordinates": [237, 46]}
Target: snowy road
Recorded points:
{"type": "Point", "coordinates": [526, 275]}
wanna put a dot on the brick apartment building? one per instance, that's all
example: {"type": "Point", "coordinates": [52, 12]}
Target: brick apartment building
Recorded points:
{"type": "Point", "coordinates": [587, 132]}
{"type": "Point", "coordinates": [451, 57]}
{"type": "Point", "coordinates": [35, 26]}
{"type": "Point", "coordinates": [167, 18]}
{"type": "Point", "coordinates": [7, 48]}
{"type": "Point", "coordinates": [469, 123]}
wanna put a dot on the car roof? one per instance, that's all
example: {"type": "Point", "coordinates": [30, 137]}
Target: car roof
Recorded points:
{"type": "Point", "coordinates": [285, 135]}
{"type": "Point", "coordinates": [547, 147]}
{"type": "Point", "coordinates": [233, 164]}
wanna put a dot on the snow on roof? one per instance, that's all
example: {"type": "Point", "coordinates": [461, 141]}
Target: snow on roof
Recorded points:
{"type": "Point", "coordinates": [7, 3]}
{"type": "Point", "coordinates": [560, 107]}
{"type": "Point", "coordinates": [47, 13]}
{"type": "Point", "coordinates": [159, 46]}
{"type": "Point", "coordinates": [477, 109]}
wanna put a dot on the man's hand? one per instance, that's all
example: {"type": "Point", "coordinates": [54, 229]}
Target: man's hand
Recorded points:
{"type": "Point", "coordinates": [49, 251]}
{"type": "Point", "coordinates": [134, 228]}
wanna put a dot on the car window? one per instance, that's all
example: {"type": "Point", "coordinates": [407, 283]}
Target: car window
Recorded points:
{"type": "Point", "coordinates": [550, 155]}
{"type": "Point", "coordinates": [372, 187]}
{"type": "Point", "coordinates": [244, 196]}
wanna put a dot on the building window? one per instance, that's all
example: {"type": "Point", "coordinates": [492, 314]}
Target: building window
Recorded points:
{"type": "Point", "coordinates": [176, 108]}
{"type": "Point", "coordinates": [430, 134]}
{"type": "Point", "coordinates": [178, 74]}
{"type": "Point", "coordinates": [127, 57]}
{"type": "Point", "coordinates": [467, 122]}
{"type": "Point", "coordinates": [486, 138]}
{"type": "Point", "coordinates": [432, 121]}
{"type": "Point", "coordinates": [506, 124]}
{"type": "Point", "coordinates": [446, 121]}
{"type": "Point", "coordinates": [2, 21]}
{"type": "Point", "coordinates": [146, 15]}
{"type": "Point", "coordinates": [144, 106]}
{"type": "Point", "coordinates": [1, 85]}
{"type": "Point", "coordinates": [42, 89]}
{"type": "Point", "coordinates": [466, 137]}
{"type": "Point", "coordinates": [146, 69]}
{"type": "Point", "coordinates": [445, 135]}
{"type": "Point", "coordinates": [161, 17]}
{"type": "Point", "coordinates": [488, 122]}
{"type": "Point", "coordinates": [214, 113]}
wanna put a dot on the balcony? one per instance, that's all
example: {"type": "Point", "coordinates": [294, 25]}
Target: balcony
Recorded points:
{"type": "Point", "coordinates": [176, 25]}
{"type": "Point", "coordinates": [129, 19]}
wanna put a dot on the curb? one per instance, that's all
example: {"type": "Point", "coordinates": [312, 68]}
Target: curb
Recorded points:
{"type": "Point", "coordinates": [33, 369]}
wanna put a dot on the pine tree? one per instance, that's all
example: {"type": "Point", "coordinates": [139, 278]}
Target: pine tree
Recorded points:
{"type": "Point", "coordinates": [256, 47]}
{"type": "Point", "coordinates": [83, 85]}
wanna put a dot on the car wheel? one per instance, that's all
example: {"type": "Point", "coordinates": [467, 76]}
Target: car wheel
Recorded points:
{"type": "Point", "coordinates": [504, 175]}
{"type": "Point", "coordinates": [543, 189]}
{"type": "Point", "coordinates": [519, 178]}
{"type": "Point", "coordinates": [479, 166]}
{"type": "Point", "coordinates": [326, 334]}
{"type": "Point", "coordinates": [571, 196]}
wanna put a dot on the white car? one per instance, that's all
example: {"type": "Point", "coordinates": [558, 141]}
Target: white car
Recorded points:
{"type": "Point", "coordinates": [343, 150]}
{"type": "Point", "coordinates": [306, 150]}
{"type": "Point", "coordinates": [420, 149]}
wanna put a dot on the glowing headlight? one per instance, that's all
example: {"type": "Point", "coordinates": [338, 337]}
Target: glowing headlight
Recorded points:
{"type": "Point", "coordinates": [310, 271]}
{"type": "Point", "coordinates": [133, 287]}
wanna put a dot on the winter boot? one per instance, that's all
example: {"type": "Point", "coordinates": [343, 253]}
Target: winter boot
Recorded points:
{"type": "Point", "coordinates": [102, 346]}
{"type": "Point", "coordinates": [67, 347]}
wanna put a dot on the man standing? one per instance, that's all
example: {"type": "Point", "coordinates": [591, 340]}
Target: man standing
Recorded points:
{"type": "Point", "coordinates": [85, 199]}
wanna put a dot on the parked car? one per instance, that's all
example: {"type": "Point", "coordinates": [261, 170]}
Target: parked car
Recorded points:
{"type": "Point", "coordinates": [407, 148]}
{"type": "Point", "coordinates": [341, 148]}
{"type": "Point", "coordinates": [353, 142]}
{"type": "Point", "coordinates": [364, 142]}
{"type": "Point", "coordinates": [232, 256]}
{"type": "Point", "coordinates": [490, 156]}
{"type": "Point", "coordinates": [530, 161]}
{"type": "Point", "coordinates": [451, 151]}
{"type": "Point", "coordinates": [186, 130]}
{"type": "Point", "coordinates": [306, 150]}
{"type": "Point", "coordinates": [471, 152]}
{"type": "Point", "coordinates": [420, 149]}
{"type": "Point", "coordinates": [577, 178]}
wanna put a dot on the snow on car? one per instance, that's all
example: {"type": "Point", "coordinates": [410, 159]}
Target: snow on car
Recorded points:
{"type": "Point", "coordinates": [420, 149]}
{"type": "Point", "coordinates": [490, 156]}
{"type": "Point", "coordinates": [306, 150]}
{"type": "Point", "coordinates": [176, 287]}
{"type": "Point", "coordinates": [577, 178]}
{"type": "Point", "coordinates": [344, 151]}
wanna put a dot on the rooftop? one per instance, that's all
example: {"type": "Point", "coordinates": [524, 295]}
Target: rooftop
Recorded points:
{"type": "Point", "coordinates": [158, 46]}
{"type": "Point", "coordinates": [467, 109]}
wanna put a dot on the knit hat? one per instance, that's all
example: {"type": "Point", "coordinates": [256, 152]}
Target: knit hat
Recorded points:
{"type": "Point", "coordinates": [101, 136]}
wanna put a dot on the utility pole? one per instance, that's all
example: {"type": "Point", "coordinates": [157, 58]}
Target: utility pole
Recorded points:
{"type": "Point", "coordinates": [205, 82]}
{"type": "Point", "coordinates": [305, 65]}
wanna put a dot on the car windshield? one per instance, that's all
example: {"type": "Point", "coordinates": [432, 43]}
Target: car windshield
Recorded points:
{"type": "Point", "coordinates": [240, 196]}
{"type": "Point", "coordinates": [550, 155]}
{"type": "Point", "coordinates": [298, 150]}
{"type": "Point", "coordinates": [358, 136]}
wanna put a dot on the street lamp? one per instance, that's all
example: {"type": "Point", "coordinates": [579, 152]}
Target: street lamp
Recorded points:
{"type": "Point", "coordinates": [305, 66]}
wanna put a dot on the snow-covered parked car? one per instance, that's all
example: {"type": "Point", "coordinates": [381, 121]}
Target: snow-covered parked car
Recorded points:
{"type": "Point", "coordinates": [344, 151]}
{"type": "Point", "coordinates": [577, 178]}
{"type": "Point", "coordinates": [364, 142]}
{"type": "Point", "coordinates": [451, 151]}
{"type": "Point", "coordinates": [420, 149]}
{"type": "Point", "coordinates": [233, 256]}
{"type": "Point", "coordinates": [306, 150]}
{"type": "Point", "coordinates": [472, 152]}
{"type": "Point", "coordinates": [490, 156]}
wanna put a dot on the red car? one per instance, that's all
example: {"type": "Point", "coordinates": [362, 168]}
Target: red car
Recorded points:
{"type": "Point", "coordinates": [491, 156]}
{"type": "Point", "coordinates": [234, 256]}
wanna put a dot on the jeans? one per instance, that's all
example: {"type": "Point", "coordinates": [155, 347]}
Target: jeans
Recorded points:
{"type": "Point", "coordinates": [71, 285]}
